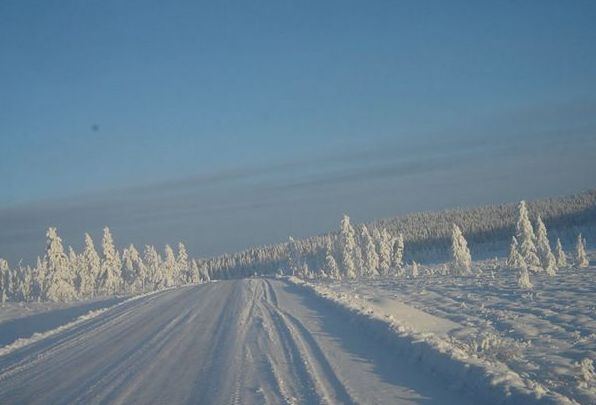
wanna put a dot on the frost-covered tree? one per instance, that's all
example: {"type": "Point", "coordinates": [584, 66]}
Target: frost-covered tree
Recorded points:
{"type": "Point", "coordinates": [154, 268]}
{"type": "Point", "coordinates": [89, 269]}
{"type": "Point", "coordinates": [294, 260]}
{"type": "Point", "coordinates": [547, 259]}
{"type": "Point", "coordinates": [39, 279]}
{"type": "Point", "coordinates": [133, 270]}
{"type": "Point", "coordinates": [204, 271]}
{"type": "Point", "coordinates": [59, 284]}
{"type": "Point", "coordinates": [461, 258]}
{"type": "Point", "coordinates": [560, 254]}
{"type": "Point", "coordinates": [581, 259]}
{"type": "Point", "coordinates": [398, 254]}
{"type": "Point", "coordinates": [4, 281]}
{"type": "Point", "coordinates": [194, 275]}
{"type": "Point", "coordinates": [347, 247]}
{"type": "Point", "coordinates": [110, 277]}
{"type": "Point", "coordinates": [523, 277]}
{"type": "Point", "coordinates": [414, 269]}
{"type": "Point", "coordinates": [25, 284]}
{"type": "Point", "coordinates": [515, 259]}
{"type": "Point", "coordinates": [525, 235]}
{"type": "Point", "coordinates": [384, 242]}
{"type": "Point", "coordinates": [169, 267]}
{"type": "Point", "coordinates": [369, 253]}
{"type": "Point", "coordinates": [183, 265]}
{"type": "Point", "coordinates": [331, 269]}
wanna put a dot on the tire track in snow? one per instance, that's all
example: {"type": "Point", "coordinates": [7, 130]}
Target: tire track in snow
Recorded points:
{"type": "Point", "coordinates": [252, 341]}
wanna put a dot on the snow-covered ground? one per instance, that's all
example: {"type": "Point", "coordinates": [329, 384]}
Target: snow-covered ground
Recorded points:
{"type": "Point", "coordinates": [542, 335]}
{"type": "Point", "coordinates": [251, 341]}
{"type": "Point", "coordinates": [21, 320]}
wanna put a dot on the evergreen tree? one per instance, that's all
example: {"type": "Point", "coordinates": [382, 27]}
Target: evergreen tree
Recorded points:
{"type": "Point", "coordinates": [547, 259]}
{"type": "Point", "coordinates": [89, 269]}
{"type": "Point", "coordinates": [414, 269]}
{"type": "Point", "coordinates": [4, 281]}
{"type": "Point", "coordinates": [515, 260]}
{"type": "Point", "coordinates": [347, 247]}
{"type": "Point", "coordinates": [132, 269]}
{"type": "Point", "coordinates": [461, 258]}
{"type": "Point", "coordinates": [195, 276]}
{"type": "Point", "coordinates": [75, 268]}
{"type": "Point", "coordinates": [560, 254]}
{"type": "Point", "coordinates": [384, 243]}
{"type": "Point", "coordinates": [26, 284]}
{"type": "Point", "coordinates": [59, 284]}
{"type": "Point", "coordinates": [183, 265]}
{"type": "Point", "coordinates": [294, 260]}
{"type": "Point", "coordinates": [110, 279]}
{"type": "Point", "coordinates": [39, 279]}
{"type": "Point", "coordinates": [331, 268]}
{"type": "Point", "coordinates": [398, 254]}
{"type": "Point", "coordinates": [525, 235]}
{"type": "Point", "coordinates": [154, 273]}
{"type": "Point", "coordinates": [370, 257]}
{"type": "Point", "coordinates": [581, 259]}
{"type": "Point", "coordinates": [523, 278]}
{"type": "Point", "coordinates": [169, 267]}
{"type": "Point", "coordinates": [204, 270]}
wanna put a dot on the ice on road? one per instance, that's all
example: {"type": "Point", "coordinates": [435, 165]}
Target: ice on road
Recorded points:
{"type": "Point", "coordinates": [252, 341]}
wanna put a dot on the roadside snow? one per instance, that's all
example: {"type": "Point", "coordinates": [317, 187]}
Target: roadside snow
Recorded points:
{"type": "Point", "coordinates": [16, 333]}
{"type": "Point", "coordinates": [529, 346]}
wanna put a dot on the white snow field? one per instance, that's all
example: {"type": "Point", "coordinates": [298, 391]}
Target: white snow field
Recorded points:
{"type": "Point", "coordinates": [250, 341]}
{"type": "Point", "coordinates": [538, 343]}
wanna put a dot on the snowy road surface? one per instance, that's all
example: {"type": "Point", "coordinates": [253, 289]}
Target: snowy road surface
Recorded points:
{"type": "Point", "coordinates": [251, 341]}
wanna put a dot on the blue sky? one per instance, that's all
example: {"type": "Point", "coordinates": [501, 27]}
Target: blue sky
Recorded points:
{"type": "Point", "coordinates": [230, 124]}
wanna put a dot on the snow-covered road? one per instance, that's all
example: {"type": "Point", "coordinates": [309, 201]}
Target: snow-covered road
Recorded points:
{"type": "Point", "coordinates": [250, 341]}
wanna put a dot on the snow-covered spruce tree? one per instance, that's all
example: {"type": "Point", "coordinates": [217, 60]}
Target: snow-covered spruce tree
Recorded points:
{"type": "Point", "coordinates": [525, 235]}
{"type": "Point", "coordinates": [4, 281]}
{"type": "Point", "coordinates": [169, 267]}
{"type": "Point", "coordinates": [560, 254]}
{"type": "Point", "coordinates": [184, 270]}
{"type": "Point", "coordinates": [523, 277]}
{"type": "Point", "coordinates": [39, 279]}
{"type": "Point", "coordinates": [89, 269]}
{"type": "Point", "coordinates": [204, 270]}
{"type": "Point", "coordinates": [414, 269]}
{"type": "Point", "coordinates": [25, 284]}
{"type": "Point", "coordinates": [514, 260]}
{"type": "Point", "coordinates": [398, 254]}
{"type": "Point", "coordinates": [581, 259]}
{"type": "Point", "coordinates": [384, 244]}
{"type": "Point", "coordinates": [294, 259]}
{"type": "Point", "coordinates": [59, 283]}
{"type": "Point", "coordinates": [331, 268]}
{"type": "Point", "coordinates": [132, 270]}
{"type": "Point", "coordinates": [461, 258]}
{"type": "Point", "coordinates": [547, 259]}
{"type": "Point", "coordinates": [369, 253]}
{"type": "Point", "coordinates": [154, 268]}
{"type": "Point", "coordinates": [195, 273]}
{"type": "Point", "coordinates": [73, 260]}
{"type": "Point", "coordinates": [110, 277]}
{"type": "Point", "coordinates": [347, 247]}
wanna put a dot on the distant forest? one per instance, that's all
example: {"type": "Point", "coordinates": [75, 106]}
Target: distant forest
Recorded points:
{"type": "Point", "coordinates": [427, 235]}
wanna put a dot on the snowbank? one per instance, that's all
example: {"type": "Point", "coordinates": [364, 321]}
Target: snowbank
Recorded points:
{"type": "Point", "coordinates": [489, 381]}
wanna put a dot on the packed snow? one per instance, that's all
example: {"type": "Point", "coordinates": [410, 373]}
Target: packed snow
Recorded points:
{"type": "Point", "coordinates": [546, 335]}
{"type": "Point", "coordinates": [251, 341]}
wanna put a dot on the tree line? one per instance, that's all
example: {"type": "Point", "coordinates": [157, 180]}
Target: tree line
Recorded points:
{"type": "Point", "coordinates": [61, 276]}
